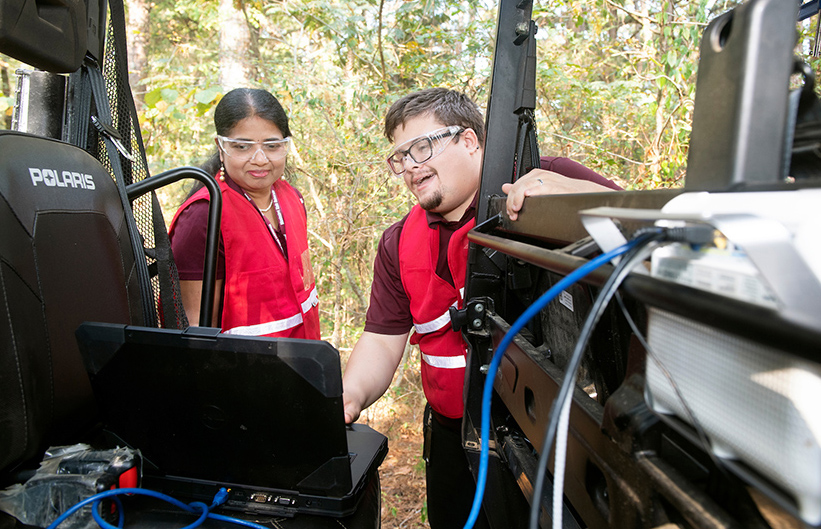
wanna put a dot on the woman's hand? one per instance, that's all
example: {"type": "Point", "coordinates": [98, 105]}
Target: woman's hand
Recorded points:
{"type": "Point", "coordinates": [541, 182]}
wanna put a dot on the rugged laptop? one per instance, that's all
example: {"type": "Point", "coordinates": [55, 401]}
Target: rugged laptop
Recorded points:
{"type": "Point", "coordinates": [262, 417]}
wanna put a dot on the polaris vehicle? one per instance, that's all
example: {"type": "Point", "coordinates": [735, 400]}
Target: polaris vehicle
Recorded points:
{"type": "Point", "coordinates": [638, 359]}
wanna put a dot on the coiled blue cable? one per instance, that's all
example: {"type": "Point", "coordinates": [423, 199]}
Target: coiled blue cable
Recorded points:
{"type": "Point", "coordinates": [199, 508]}
{"type": "Point", "coordinates": [521, 321]}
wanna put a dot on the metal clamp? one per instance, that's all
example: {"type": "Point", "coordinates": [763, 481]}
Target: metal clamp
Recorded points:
{"type": "Point", "coordinates": [472, 316]}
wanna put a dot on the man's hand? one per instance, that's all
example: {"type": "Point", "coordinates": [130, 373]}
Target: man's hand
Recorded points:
{"type": "Point", "coordinates": [353, 407]}
{"type": "Point", "coordinates": [541, 182]}
{"type": "Point", "coordinates": [369, 370]}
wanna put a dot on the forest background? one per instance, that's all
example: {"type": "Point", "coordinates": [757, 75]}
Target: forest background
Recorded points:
{"type": "Point", "coordinates": [615, 86]}
{"type": "Point", "coordinates": [615, 82]}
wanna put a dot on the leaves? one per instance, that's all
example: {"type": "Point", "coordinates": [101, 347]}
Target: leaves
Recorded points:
{"type": "Point", "coordinates": [615, 89]}
{"type": "Point", "coordinates": [622, 101]}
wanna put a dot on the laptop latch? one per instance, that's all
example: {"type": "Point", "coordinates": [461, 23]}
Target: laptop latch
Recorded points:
{"type": "Point", "coordinates": [201, 332]}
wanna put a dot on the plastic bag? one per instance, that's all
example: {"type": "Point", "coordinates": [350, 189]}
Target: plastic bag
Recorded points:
{"type": "Point", "coordinates": [67, 476]}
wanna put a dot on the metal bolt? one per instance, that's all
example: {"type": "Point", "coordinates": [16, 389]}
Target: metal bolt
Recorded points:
{"type": "Point", "coordinates": [522, 28]}
{"type": "Point", "coordinates": [480, 308]}
{"type": "Point", "coordinates": [477, 323]}
{"type": "Point", "coordinates": [484, 369]}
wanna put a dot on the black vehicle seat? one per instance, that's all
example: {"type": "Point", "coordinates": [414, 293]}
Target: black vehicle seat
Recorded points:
{"type": "Point", "coordinates": [65, 258]}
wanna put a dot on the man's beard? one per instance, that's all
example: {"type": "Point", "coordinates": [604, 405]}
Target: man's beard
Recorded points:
{"type": "Point", "coordinates": [433, 201]}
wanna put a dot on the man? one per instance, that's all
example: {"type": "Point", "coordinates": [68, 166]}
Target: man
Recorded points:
{"type": "Point", "coordinates": [419, 272]}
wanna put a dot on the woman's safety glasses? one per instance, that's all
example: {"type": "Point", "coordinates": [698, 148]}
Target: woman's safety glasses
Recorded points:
{"type": "Point", "coordinates": [244, 150]}
{"type": "Point", "coordinates": [423, 148]}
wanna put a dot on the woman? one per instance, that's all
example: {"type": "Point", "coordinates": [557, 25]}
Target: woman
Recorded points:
{"type": "Point", "coordinates": [265, 284]}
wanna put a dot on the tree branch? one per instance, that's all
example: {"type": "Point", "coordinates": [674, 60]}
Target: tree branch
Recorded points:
{"type": "Point", "coordinates": [590, 145]}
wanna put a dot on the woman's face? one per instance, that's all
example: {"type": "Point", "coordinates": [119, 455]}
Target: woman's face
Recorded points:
{"type": "Point", "coordinates": [255, 175]}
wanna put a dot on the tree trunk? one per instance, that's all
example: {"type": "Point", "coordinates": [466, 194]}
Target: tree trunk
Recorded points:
{"type": "Point", "coordinates": [235, 69]}
{"type": "Point", "coordinates": [5, 89]}
{"type": "Point", "coordinates": [137, 40]}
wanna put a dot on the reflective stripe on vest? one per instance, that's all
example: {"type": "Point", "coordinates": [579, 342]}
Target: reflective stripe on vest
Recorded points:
{"type": "Point", "coordinates": [441, 321]}
{"type": "Point", "coordinates": [268, 327]}
{"type": "Point", "coordinates": [434, 325]}
{"type": "Point", "coordinates": [445, 362]}
{"type": "Point", "coordinates": [311, 302]}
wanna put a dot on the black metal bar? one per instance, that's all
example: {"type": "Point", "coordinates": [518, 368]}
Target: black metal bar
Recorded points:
{"type": "Point", "coordinates": [508, 125]}
{"type": "Point", "coordinates": [555, 218]}
{"type": "Point", "coordinates": [41, 102]}
{"type": "Point", "coordinates": [209, 273]}
{"type": "Point", "coordinates": [512, 96]}
{"type": "Point", "coordinates": [507, 99]}
{"type": "Point", "coordinates": [809, 9]}
{"type": "Point", "coordinates": [752, 322]}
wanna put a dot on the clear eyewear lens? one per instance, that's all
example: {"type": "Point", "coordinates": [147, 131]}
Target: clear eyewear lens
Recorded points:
{"type": "Point", "coordinates": [244, 150]}
{"type": "Point", "coordinates": [423, 149]}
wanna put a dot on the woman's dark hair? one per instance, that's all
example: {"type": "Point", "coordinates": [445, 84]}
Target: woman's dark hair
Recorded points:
{"type": "Point", "coordinates": [242, 103]}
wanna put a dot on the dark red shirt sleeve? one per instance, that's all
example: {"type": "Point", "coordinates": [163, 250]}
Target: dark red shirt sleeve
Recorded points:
{"type": "Point", "coordinates": [188, 243]}
{"type": "Point", "coordinates": [572, 169]}
{"type": "Point", "coordinates": [389, 309]}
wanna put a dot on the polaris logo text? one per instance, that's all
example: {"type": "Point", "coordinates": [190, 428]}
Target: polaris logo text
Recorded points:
{"type": "Point", "coordinates": [53, 178]}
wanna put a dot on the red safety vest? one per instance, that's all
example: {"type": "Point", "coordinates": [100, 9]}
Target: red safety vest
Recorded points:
{"type": "Point", "coordinates": [444, 351]}
{"type": "Point", "coordinates": [264, 293]}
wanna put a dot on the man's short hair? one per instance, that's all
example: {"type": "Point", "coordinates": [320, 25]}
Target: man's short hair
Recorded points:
{"type": "Point", "coordinates": [449, 107]}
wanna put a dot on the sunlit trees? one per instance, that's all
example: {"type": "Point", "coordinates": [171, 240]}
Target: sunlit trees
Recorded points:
{"type": "Point", "coordinates": [615, 85]}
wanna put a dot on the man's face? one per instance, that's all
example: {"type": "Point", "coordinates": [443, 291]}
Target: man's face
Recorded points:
{"type": "Point", "coordinates": [446, 183]}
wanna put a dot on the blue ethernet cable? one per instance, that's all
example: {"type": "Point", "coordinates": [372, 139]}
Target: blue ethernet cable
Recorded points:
{"type": "Point", "coordinates": [560, 411]}
{"type": "Point", "coordinates": [199, 508]}
{"type": "Point", "coordinates": [526, 316]}
{"type": "Point", "coordinates": [194, 505]}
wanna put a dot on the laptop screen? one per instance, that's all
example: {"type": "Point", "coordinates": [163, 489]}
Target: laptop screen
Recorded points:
{"type": "Point", "coordinates": [247, 411]}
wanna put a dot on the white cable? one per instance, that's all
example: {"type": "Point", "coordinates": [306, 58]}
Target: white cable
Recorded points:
{"type": "Point", "coordinates": [560, 461]}
{"type": "Point", "coordinates": [599, 305]}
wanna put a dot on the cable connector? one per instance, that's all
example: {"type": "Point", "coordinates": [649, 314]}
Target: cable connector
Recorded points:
{"type": "Point", "coordinates": [220, 497]}
{"type": "Point", "coordinates": [697, 234]}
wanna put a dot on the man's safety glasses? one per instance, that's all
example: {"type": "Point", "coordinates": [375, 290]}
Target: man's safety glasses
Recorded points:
{"type": "Point", "coordinates": [244, 150]}
{"type": "Point", "coordinates": [423, 148]}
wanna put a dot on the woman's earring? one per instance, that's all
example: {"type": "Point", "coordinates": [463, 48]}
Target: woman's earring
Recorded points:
{"type": "Point", "coordinates": [221, 173]}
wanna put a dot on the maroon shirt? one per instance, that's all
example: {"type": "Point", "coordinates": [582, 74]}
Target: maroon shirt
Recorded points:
{"type": "Point", "coordinates": [571, 169]}
{"type": "Point", "coordinates": [389, 309]}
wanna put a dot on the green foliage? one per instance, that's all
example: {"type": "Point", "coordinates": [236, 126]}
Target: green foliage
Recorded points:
{"type": "Point", "coordinates": [616, 82]}
{"type": "Point", "coordinates": [615, 88]}
{"type": "Point", "coordinates": [6, 104]}
{"type": "Point", "coordinates": [336, 67]}
{"type": "Point", "coordinates": [7, 91]}
{"type": "Point", "coordinates": [419, 468]}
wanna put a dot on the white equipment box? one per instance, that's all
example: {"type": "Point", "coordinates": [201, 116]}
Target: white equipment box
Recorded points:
{"type": "Point", "coordinates": [754, 403]}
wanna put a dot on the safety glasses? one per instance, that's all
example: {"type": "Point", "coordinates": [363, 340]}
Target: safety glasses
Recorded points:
{"type": "Point", "coordinates": [244, 150]}
{"type": "Point", "coordinates": [423, 148]}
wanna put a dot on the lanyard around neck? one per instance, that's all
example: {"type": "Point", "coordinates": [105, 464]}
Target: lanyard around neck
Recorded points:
{"type": "Point", "coordinates": [280, 218]}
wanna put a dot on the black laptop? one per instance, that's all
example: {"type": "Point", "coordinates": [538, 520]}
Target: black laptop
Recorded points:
{"type": "Point", "coordinates": [262, 417]}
